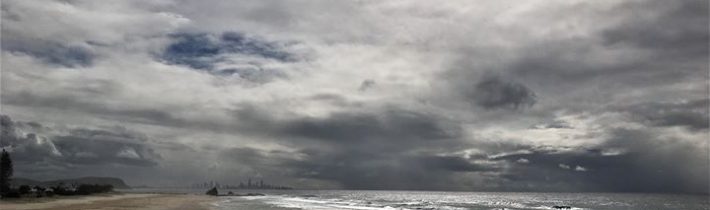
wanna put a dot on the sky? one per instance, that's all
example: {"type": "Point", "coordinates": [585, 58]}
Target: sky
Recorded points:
{"type": "Point", "coordinates": [553, 95]}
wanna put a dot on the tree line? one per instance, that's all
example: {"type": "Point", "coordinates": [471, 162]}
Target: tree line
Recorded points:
{"type": "Point", "coordinates": [7, 191]}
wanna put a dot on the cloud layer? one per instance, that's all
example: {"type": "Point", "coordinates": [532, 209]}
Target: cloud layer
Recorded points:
{"type": "Point", "coordinates": [504, 95]}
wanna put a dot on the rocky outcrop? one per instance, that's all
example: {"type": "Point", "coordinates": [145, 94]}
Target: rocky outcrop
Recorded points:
{"type": "Point", "coordinates": [212, 191]}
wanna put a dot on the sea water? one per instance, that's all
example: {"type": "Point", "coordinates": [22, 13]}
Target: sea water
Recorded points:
{"type": "Point", "coordinates": [345, 199]}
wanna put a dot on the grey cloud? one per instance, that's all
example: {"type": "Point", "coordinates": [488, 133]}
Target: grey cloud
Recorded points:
{"type": "Point", "coordinates": [79, 103]}
{"type": "Point", "coordinates": [362, 150]}
{"type": "Point", "coordinates": [390, 124]}
{"type": "Point", "coordinates": [78, 146]}
{"type": "Point", "coordinates": [691, 114]}
{"type": "Point", "coordinates": [579, 72]}
{"type": "Point", "coordinates": [646, 161]}
{"type": "Point", "coordinates": [255, 74]}
{"type": "Point", "coordinates": [85, 101]}
{"type": "Point", "coordinates": [558, 124]}
{"type": "Point", "coordinates": [105, 148]}
{"type": "Point", "coordinates": [250, 156]}
{"type": "Point", "coordinates": [8, 131]}
{"type": "Point", "coordinates": [377, 170]}
{"type": "Point", "coordinates": [336, 100]}
{"type": "Point", "coordinates": [49, 51]}
{"type": "Point", "coordinates": [239, 43]}
{"type": "Point", "coordinates": [492, 92]}
{"type": "Point", "coordinates": [453, 163]}
{"type": "Point", "coordinates": [680, 27]}
{"type": "Point", "coordinates": [366, 84]}
{"type": "Point", "coordinates": [270, 163]}
{"type": "Point", "coordinates": [53, 53]}
{"type": "Point", "coordinates": [614, 58]}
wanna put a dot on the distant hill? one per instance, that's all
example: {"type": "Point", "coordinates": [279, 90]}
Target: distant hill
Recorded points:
{"type": "Point", "coordinates": [116, 182]}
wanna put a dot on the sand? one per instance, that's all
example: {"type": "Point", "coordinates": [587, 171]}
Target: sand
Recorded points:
{"type": "Point", "coordinates": [115, 202]}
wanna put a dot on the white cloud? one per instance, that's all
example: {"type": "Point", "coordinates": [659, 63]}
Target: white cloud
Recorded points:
{"type": "Point", "coordinates": [128, 152]}
{"type": "Point", "coordinates": [564, 166]}
{"type": "Point", "coordinates": [612, 152]}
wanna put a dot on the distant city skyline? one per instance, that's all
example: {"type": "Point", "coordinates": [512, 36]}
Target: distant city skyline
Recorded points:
{"type": "Point", "coordinates": [249, 185]}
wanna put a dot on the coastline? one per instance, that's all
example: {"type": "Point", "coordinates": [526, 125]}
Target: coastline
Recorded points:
{"type": "Point", "coordinates": [122, 201]}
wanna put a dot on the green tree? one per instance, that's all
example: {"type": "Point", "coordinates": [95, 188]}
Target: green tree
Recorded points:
{"type": "Point", "coordinates": [5, 172]}
{"type": "Point", "coordinates": [24, 189]}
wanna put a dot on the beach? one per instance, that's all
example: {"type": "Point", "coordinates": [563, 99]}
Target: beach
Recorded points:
{"type": "Point", "coordinates": [115, 202]}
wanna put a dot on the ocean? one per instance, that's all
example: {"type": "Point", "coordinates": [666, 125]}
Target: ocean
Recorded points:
{"type": "Point", "coordinates": [348, 199]}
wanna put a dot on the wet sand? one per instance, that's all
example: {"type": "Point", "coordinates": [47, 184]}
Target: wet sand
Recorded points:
{"type": "Point", "coordinates": [114, 202]}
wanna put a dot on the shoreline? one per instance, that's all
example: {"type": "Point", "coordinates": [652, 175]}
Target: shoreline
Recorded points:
{"type": "Point", "coordinates": [117, 201]}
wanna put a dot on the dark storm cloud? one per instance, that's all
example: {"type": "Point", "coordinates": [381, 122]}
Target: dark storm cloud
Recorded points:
{"type": "Point", "coordinates": [389, 125]}
{"type": "Point", "coordinates": [692, 114]}
{"type": "Point", "coordinates": [359, 169]}
{"type": "Point", "coordinates": [265, 163]}
{"type": "Point", "coordinates": [388, 149]}
{"type": "Point", "coordinates": [76, 146]}
{"type": "Point", "coordinates": [381, 171]}
{"type": "Point", "coordinates": [391, 129]}
{"type": "Point", "coordinates": [8, 132]}
{"type": "Point", "coordinates": [247, 155]}
{"type": "Point", "coordinates": [492, 92]}
{"type": "Point", "coordinates": [451, 163]}
{"type": "Point", "coordinates": [629, 161]}
{"type": "Point", "coordinates": [399, 149]}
